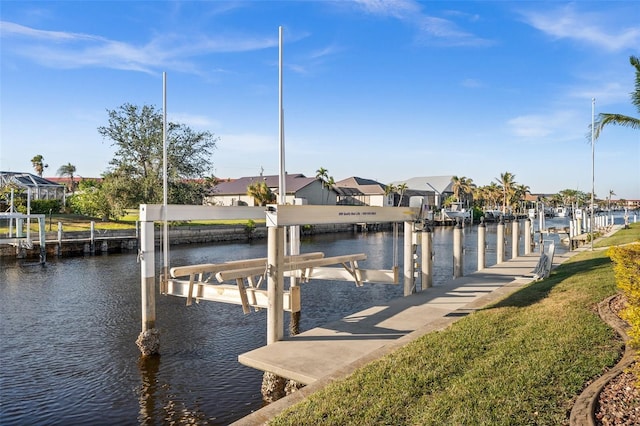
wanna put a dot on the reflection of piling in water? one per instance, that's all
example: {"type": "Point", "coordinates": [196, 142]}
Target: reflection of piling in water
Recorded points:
{"type": "Point", "coordinates": [149, 367]}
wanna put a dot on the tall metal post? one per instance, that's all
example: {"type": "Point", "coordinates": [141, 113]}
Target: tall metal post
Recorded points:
{"type": "Point", "coordinates": [482, 243]}
{"type": "Point", "coordinates": [593, 178]}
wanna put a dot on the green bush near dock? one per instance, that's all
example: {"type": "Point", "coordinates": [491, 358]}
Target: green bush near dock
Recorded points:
{"type": "Point", "coordinates": [521, 361]}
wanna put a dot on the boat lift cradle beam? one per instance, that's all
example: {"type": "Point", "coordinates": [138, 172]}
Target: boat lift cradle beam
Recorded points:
{"type": "Point", "coordinates": [277, 217]}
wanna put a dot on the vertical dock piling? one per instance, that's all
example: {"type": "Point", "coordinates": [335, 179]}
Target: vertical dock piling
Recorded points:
{"type": "Point", "coordinates": [457, 250]}
{"type": "Point", "coordinates": [426, 262]}
{"type": "Point", "coordinates": [500, 241]}
{"type": "Point", "coordinates": [409, 280]}
{"type": "Point", "coordinates": [482, 245]}
{"type": "Point", "coordinates": [515, 237]}
{"type": "Point", "coordinates": [149, 339]}
{"type": "Point", "coordinates": [275, 284]}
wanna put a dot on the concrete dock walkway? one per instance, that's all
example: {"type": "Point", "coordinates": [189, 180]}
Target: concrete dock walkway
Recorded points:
{"type": "Point", "coordinates": [321, 355]}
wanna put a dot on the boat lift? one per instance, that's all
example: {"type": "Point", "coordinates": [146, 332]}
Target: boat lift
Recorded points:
{"type": "Point", "coordinates": [207, 281]}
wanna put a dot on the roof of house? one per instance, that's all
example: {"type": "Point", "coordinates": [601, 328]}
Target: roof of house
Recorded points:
{"type": "Point", "coordinates": [441, 184]}
{"type": "Point", "coordinates": [26, 180]}
{"type": "Point", "coordinates": [293, 183]}
{"type": "Point", "coordinates": [359, 186]}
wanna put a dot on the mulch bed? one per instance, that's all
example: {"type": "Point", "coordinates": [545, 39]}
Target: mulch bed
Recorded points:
{"type": "Point", "coordinates": [619, 400]}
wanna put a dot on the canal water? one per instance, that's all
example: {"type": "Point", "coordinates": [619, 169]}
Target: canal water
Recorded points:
{"type": "Point", "coordinates": [68, 329]}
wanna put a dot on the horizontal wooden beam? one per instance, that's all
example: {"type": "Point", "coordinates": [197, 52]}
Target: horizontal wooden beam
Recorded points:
{"type": "Point", "coordinates": [227, 293]}
{"type": "Point", "coordinates": [289, 266]}
{"type": "Point", "coordinates": [155, 212]}
{"type": "Point", "coordinates": [204, 268]}
{"type": "Point", "coordinates": [389, 276]}
{"type": "Point", "coordinates": [287, 215]}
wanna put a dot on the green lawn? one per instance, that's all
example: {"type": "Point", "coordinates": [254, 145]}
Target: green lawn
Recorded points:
{"type": "Point", "coordinates": [521, 361]}
{"type": "Point", "coordinates": [72, 222]}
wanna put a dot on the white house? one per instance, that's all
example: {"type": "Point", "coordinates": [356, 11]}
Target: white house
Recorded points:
{"type": "Point", "coordinates": [234, 192]}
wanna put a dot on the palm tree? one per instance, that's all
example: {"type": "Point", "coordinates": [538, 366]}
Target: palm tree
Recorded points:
{"type": "Point", "coordinates": [495, 193]}
{"type": "Point", "coordinates": [462, 185]}
{"type": "Point", "coordinates": [261, 193]}
{"type": "Point", "coordinates": [323, 175]}
{"type": "Point", "coordinates": [402, 188]}
{"type": "Point", "coordinates": [68, 170]}
{"type": "Point", "coordinates": [388, 190]}
{"type": "Point", "coordinates": [507, 182]}
{"type": "Point", "coordinates": [329, 184]}
{"type": "Point", "coordinates": [605, 119]}
{"type": "Point", "coordinates": [521, 192]}
{"type": "Point", "coordinates": [38, 164]}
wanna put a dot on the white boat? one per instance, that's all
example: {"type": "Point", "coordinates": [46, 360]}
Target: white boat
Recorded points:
{"type": "Point", "coordinates": [455, 211]}
{"type": "Point", "coordinates": [561, 212]}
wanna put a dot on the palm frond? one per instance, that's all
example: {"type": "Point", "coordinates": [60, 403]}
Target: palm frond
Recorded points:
{"type": "Point", "coordinates": [605, 119]}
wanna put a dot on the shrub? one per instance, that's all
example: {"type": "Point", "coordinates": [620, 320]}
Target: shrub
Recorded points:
{"type": "Point", "coordinates": [250, 228]}
{"type": "Point", "coordinates": [626, 267]}
{"type": "Point", "coordinates": [45, 206]}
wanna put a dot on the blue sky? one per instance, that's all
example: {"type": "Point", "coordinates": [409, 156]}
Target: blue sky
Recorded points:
{"type": "Point", "coordinates": [387, 90]}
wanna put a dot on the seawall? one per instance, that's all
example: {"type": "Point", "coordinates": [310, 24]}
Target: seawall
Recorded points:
{"type": "Point", "coordinates": [80, 243]}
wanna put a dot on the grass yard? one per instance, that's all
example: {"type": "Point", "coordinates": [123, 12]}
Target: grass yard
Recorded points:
{"type": "Point", "coordinates": [520, 361]}
{"type": "Point", "coordinates": [72, 222]}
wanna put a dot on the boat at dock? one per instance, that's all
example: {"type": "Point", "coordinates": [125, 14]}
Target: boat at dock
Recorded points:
{"type": "Point", "coordinates": [456, 211]}
{"type": "Point", "coordinates": [562, 211]}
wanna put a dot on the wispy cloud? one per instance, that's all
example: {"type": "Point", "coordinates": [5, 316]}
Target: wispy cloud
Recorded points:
{"type": "Point", "coordinates": [553, 127]}
{"type": "Point", "coordinates": [430, 28]}
{"type": "Point", "coordinates": [247, 143]}
{"type": "Point", "coordinates": [59, 49]}
{"type": "Point", "coordinates": [472, 83]}
{"type": "Point", "coordinates": [568, 23]}
{"type": "Point", "coordinates": [194, 121]}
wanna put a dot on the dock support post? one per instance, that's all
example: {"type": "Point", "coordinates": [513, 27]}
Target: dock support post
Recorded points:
{"type": "Point", "coordinates": [500, 241]}
{"type": "Point", "coordinates": [409, 280]}
{"type": "Point", "coordinates": [527, 236]}
{"type": "Point", "coordinates": [59, 249]}
{"type": "Point", "coordinates": [482, 243]}
{"type": "Point", "coordinates": [43, 241]}
{"type": "Point", "coordinates": [294, 249]}
{"type": "Point", "coordinates": [515, 237]}
{"type": "Point", "coordinates": [92, 248]}
{"type": "Point", "coordinates": [457, 250]}
{"type": "Point", "coordinates": [426, 260]}
{"type": "Point", "coordinates": [275, 284]}
{"type": "Point", "coordinates": [149, 339]}
{"type": "Point", "coordinates": [273, 386]}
